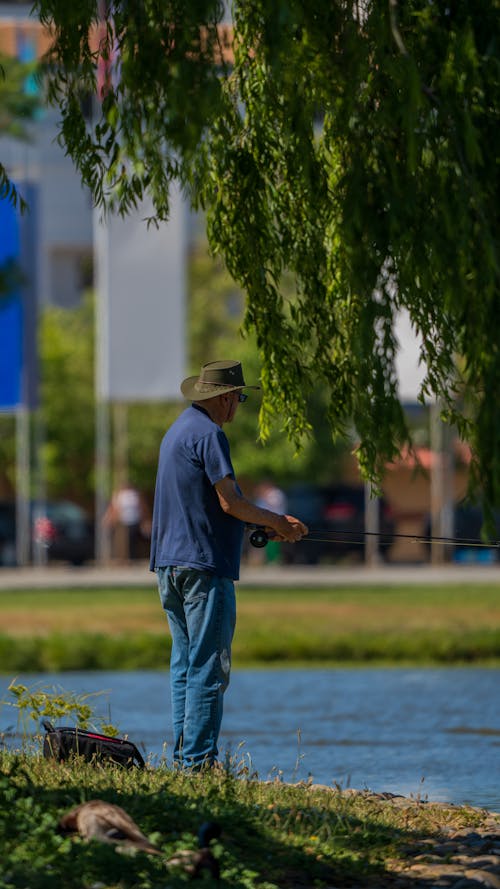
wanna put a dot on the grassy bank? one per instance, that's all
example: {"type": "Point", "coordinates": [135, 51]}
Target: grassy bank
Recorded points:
{"type": "Point", "coordinates": [110, 628]}
{"type": "Point", "coordinates": [274, 836]}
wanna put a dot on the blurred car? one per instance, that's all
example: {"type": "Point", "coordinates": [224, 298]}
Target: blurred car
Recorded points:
{"type": "Point", "coordinates": [468, 520]}
{"type": "Point", "coordinates": [305, 502]}
{"type": "Point", "coordinates": [338, 510]}
{"type": "Point", "coordinates": [344, 511]}
{"type": "Point", "coordinates": [63, 528]}
{"type": "Point", "coordinates": [7, 534]}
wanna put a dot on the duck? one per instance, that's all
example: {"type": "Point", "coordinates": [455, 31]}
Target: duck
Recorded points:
{"type": "Point", "coordinates": [100, 820]}
{"type": "Point", "coordinates": [194, 861]}
{"type": "Point", "coordinates": [109, 823]}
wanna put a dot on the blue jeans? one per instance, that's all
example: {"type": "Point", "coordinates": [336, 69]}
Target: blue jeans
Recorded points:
{"type": "Point", "coordinates": [201, 612]}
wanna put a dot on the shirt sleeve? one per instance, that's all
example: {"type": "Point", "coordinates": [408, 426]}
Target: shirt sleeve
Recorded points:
{"type": "Point", "coordinates": [213, 452]}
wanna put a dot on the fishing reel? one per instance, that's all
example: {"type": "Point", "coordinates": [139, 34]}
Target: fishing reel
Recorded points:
{"type": "Point", "coordinates": [259, 537]}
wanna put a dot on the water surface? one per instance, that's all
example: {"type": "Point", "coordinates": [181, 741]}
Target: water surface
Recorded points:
{"type": "Point", "coordinates": [428, 733]}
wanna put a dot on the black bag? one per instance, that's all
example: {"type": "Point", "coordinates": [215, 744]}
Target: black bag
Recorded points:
{"type": "Point", "coordinates": [60, 743]}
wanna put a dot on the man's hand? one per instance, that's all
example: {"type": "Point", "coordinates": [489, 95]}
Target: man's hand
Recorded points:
{"type": "Point", "coordinates": [288, 528]}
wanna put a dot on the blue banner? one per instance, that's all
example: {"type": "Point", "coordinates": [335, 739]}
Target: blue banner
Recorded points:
{"type": "Point", "coordinates": [18, 305]}
{"type": "Point", "coordinates": [11, 323]}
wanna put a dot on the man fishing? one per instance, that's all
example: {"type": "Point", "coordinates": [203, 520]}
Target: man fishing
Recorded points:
{"type": "Point", "coordinates": [199, 516]}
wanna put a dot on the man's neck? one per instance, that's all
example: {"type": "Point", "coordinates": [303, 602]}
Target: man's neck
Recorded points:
{"type": "Point", "coordinates": [214, 407]}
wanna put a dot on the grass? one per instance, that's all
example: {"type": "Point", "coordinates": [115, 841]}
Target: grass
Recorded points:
{"type": "Point", "coordinates": [104, 628]}
{"type": "Point", "coordinates": [274, 836]}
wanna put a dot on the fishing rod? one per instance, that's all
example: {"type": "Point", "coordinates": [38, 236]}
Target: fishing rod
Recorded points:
{"type": "Point", "coordinates": [260, 537]}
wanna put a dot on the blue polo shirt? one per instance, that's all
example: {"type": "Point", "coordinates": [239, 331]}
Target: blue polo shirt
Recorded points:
{"type": "Point", "coordinates": [190, 528]}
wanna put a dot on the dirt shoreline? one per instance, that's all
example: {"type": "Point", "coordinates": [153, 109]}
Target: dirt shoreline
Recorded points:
{"type": "Point", "coordinates": [454, 858]}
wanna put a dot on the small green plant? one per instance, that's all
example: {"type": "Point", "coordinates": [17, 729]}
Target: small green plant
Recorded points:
{"type": "Point", "coordinates": [41, 702]}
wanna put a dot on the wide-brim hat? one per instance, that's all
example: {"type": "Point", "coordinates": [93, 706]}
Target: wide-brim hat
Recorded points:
{"type": "Point", "coordinates": [216, 378]}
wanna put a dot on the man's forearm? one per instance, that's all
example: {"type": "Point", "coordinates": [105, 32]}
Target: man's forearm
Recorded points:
{"type": "Point", "coordinates": [241, 508]}
{"type": "Point", "coordinates": [235, 504]}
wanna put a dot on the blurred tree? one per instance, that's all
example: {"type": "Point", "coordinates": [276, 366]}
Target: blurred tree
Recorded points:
{"type": "Point", "coordinates": [67, 399]}
{"type": "Point", "coordinates": [68, 408]}
{"type": "Point", "coordinates": [7, 456]}
{"type": "Point", "coordinates": [353, 145]}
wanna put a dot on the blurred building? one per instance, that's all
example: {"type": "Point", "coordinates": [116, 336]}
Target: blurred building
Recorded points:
{"type": "Point", "coordinates": [70, 239]}
{"type": "Point", "coordinates": [139, 275]}
{"type": "Point", "coordinates": [63, 258]}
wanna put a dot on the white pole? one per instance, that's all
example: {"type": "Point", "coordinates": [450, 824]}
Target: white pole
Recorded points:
{"type": "Point", "coordinates": [23, 519]}
{"type": "Point", "coordinates": [39, 550]}
{"type": "Point", "coordinates": [372, 527]}
{"type": "Point", "coordinates": [120, 471]}
{"type": "Point", "coordinates": [438, 554]}
{"type": "Point", "coordinates": [102, 485]}
{"type": "Point", "coordinates": [102, 409]}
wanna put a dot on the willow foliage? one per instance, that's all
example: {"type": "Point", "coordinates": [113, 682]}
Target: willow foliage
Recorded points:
{"type": "Point", "coordinates": [350, 145]}
{"type": "Point", "coordinates": [18, 105]}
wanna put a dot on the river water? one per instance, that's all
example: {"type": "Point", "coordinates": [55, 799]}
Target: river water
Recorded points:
{"type": "Point", "coordinates": [428, 733]}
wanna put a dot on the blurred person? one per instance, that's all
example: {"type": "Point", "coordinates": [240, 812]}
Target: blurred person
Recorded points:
{"type": "Point", "coordinates": [268, 495]}
{"type": "Point", "coordinates": [199, 517]}
{"type": "Point", "coordinates": [127, 516]}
